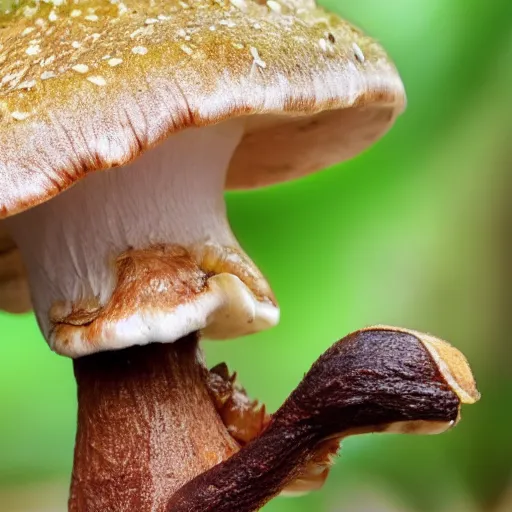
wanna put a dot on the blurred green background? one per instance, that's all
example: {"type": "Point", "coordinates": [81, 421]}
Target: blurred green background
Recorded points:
{"type": "Point", "coordinates": [415, 232]}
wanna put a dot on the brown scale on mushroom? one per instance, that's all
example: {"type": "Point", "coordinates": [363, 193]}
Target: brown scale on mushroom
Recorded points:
{"type": "Point", "coordinates": [121, 125]}
{"type": "Point", "coordinates": [246, 419]}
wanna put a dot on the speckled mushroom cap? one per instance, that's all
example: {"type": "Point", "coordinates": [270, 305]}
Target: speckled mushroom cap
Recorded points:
{"type": "Point", "coordinates": [89, 85]}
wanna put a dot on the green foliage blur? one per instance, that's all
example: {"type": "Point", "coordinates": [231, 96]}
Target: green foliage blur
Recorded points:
{"type": "Point", "coordinates": [415, 232]}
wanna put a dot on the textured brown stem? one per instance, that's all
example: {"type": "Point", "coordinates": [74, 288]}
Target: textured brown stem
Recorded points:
{"type": "Point", "coordinates": [146, 426]}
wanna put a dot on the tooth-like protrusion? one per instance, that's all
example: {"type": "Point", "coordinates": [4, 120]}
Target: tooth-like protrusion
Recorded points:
{"type": "Point", "coordinates": [244, 418]}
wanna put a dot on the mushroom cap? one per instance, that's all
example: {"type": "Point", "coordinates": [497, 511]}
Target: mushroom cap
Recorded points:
{"type": "Point", "coordinates": [91, 84]}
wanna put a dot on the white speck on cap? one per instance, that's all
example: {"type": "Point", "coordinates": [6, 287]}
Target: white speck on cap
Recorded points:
{"type": "Point", "coordinates": [240, 4]}
{"type": "Point", "coordinates": [274, 6]}
{"type": "Point", "coordinates": [257, 59]}
{"type": "Point", "coordinates": [33, 49]}
{"type": "Point", "coordinates": [81, 68]}
{"type": "Point", "coordinates": [358, 53]}
{"type": "Point", "coordinates": [20, 116]}
{"type": "Point", "coordinates": [45, 62]}
{"type": "Point", "coordinates": [97, 80]}
{"type": "Point", "coordinates": [45, 75]}
{"type": "Point", "coordinates": [187, 49]}
{"type": "Point", "coordinates": [27, 85]}
{"type": "Point", "coordinates": [147, 30]}
{"type": "Point", "coordinates": [114, 62]}
{"type": "Point", "coordinates": [29, 11]}
{"type": "Point", "coordinates": [139, 50]}
{"type": "Point", "coordinates": [121, 9]}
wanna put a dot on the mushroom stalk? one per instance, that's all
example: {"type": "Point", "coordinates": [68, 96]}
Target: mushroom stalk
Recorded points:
{"type": "Point", "coordinates": [146, 426]}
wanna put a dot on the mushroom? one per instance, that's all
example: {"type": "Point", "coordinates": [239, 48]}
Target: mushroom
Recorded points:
{"type": "Point", "coordinates": [172, 101]}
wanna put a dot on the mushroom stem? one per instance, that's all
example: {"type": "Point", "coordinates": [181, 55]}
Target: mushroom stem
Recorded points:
{"type": "Point", "coordinates": [371, 381]}
{"type": "Point", "coordinates": [146, 426]}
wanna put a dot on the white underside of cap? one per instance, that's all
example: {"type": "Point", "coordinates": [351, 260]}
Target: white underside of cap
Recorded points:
{"type": "Point", "coordinates": [90, 295]}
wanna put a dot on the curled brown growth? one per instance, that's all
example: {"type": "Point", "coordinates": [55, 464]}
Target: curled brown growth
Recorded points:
{"type": "Point", "coordinates": [376, 380]}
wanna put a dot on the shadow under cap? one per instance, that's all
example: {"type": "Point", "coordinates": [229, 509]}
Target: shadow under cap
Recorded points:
{"type": "Point", "coordinates": [14, 292]}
